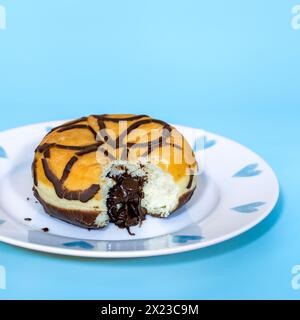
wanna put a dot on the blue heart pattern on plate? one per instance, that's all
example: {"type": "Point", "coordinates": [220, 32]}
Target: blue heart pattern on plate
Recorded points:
{"type": "Point", "coordinates": [209, 143]}
{"type": "Point", "coordinates": [249, 208]}
{"type": "Point", "coordinates": [79, 244]}
{"type": "Point", "coordinates": [248, 171]}
{"type": "Point", "coordinates": [203, 143]}
{"type": "Point", "coordinates": [1, 221]}
{"type": "Point", "coordinates": [3, 153]}
{"type": "Point", "coordinates": [185, 239]}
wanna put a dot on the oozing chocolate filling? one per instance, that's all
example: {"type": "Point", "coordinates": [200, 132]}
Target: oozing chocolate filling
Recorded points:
{"type": "Point", "coordinates": [124, 201]}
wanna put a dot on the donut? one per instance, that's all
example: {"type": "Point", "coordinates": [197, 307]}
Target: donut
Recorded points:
{"type": "Point", "coordinates": [114, 168]}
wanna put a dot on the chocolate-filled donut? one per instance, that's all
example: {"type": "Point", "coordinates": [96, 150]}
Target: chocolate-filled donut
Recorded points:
{"type": "Point", "coordinates": [113, 168]}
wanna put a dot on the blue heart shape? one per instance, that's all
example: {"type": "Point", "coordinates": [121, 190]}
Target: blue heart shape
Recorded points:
{"type": "Point", "coordinates": [185, 239]}
{"type": "Point", "coordinates": [249, 208]}
{"type": "Point", "coordinates": [79, 244]}
{"type": "Point", "coordinates": [3, 153]}
{"type": "Point", "coordinates": [203, 143]}
{"type": "Point", "coordinates": [1, 221]}
{"type": "Point", "coordinates": [248, 171]}
{"type": "Point", "coordinates": [48, 129]}
{"type": "Point", "coordinates": [209, 143]}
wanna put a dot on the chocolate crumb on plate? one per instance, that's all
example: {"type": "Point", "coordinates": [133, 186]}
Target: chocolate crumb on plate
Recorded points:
{"type": "Point", "coordinates": [27, 219]}
{"type": "Point", "coordinates": [45, 229]}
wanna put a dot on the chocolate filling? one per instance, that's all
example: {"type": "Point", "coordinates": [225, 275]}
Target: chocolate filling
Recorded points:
{"type": "Point", "coordinates": [124, 201]}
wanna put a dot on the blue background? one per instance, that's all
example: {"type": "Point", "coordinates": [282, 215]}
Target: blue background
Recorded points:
{"type": "Point", "coordinates": [231, 67]}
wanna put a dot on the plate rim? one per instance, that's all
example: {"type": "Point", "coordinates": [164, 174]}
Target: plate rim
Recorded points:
{"type": "Point", "coordinates": [153, 252]}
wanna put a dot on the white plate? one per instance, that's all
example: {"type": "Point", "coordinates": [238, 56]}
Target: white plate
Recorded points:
{"type": "Point", "coordinates": [237, 191]}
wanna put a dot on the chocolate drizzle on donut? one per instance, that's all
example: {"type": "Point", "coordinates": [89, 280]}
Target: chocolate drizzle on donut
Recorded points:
{"type": "Point", "coordinates": [78, 126]}
{"type": "Point", "coordinates": [105, 117]}
{"type": "Point", "coordinates": [68, 124]}
{"type": "Point", "coordinates": [124, 201]}
{"type": "Point", "coordinates": [119, 141]}
{"type": "Point", "coordinates": [33, 170]}
{"type": "Point", "coordinates": [67, 169]}
{"type": "Point", "coordinates": [61, 191]}
{"type": "Point", "coordinates": [47, 146]}
{"type": "Point", "coordinates": [191, 180]}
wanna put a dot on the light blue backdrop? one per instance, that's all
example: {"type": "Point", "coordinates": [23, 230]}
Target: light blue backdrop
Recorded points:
{"type": "Point", "coordinates": [231, 67]}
